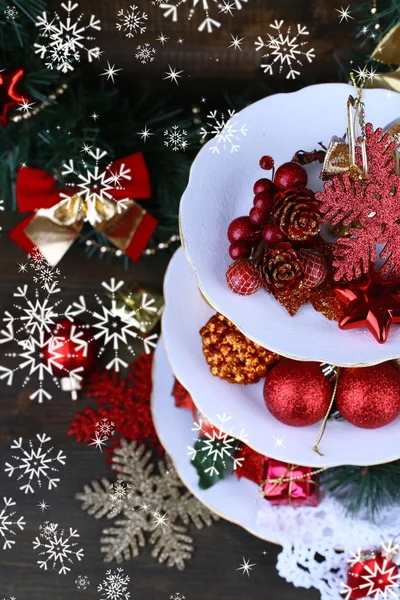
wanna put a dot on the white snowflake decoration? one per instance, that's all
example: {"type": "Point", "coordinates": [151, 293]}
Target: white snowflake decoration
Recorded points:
{"type": "Point", "coordinates": [82, 582]}
{"type": "Point", "coordinates": [220, 444]}
{"type": "Point", "coordinates": [131, 21]}
{"type": "Point", "coordinates": [45, 276]}
{"type": "Point", "coordinates": [95, 184]}
{"type": "Point", "coordinates": [10, 13]}
{"type": "Point", "coordinates": [175, 138]}
{"type": "Point", "coordinates": [171, 8]}
{"type": "Point", "coordinates": [7, 523]}
{"type": "Point", "coordinates": [47, 529]}
{"type": "Point", "coordinates": [116, 326]}
{"type": "Point", "coordinates": [119, 493]}
{"type": "Point", "coordinates": [59, 548]}
{"type": "Point", "coordinates": [115, 585]}
{"type": "Point", "coordinates": [177, 596]}
{"type": "Point", "coordinates": [105, 427]}
{"type": "Point", "coordinates": [285, 49]}
{"type": "Point", "coordinates": [65, 40]}
{"type": "Point", "coordinates": [226, 133]}
{"type": "Point", "coordinates": [145, 53]}
{"type": "Point", "coordinates": [35, 463]}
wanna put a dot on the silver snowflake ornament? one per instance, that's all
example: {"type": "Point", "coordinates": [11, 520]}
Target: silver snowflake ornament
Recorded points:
{"type": "Point", "coordinates": [145, 53]}
{"type": "Point", "coordinates": [8, 524]}
{"type": "Point", "coordinates": [57, 549]}
{"type": "Point", "coordinates": [285, 50]}
{"type": "Point", "coordinates": [226, 132]}
{"type": "Point", "coordinates": [10, 12]}
{"type": "Point", "coordinates": [65, 40]}
{"type": "Point", "coordinates": [175, 138]}
{"type": "Point", "coordinates": [131, 21]}
{"type": "Point", "coordinates": [115, 585]}
{"type": "Point", "coordinates": [34, 463]}
{"type": "Point", "coordinates": [82, 582]}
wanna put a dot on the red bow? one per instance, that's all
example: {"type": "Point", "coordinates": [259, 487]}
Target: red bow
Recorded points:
{"type": "Point", "coordinates": [57, 222]}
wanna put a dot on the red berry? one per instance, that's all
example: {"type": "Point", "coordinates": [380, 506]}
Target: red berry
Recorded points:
{"type": "Point", "coordinates": [267, 163]}
{"type": "Point", "coordinates": [264, 185]}
{"type": "Point", "coordinates": [258, 216]}
{"type": "Point", "coordinates": [243, 277]}
{"type": "Point", "coordinates": [239, 249]}
{"type": "Point", "coordinates": [272, 234]}
{"type": "Point", "coordinates": [264, 201]}
{"type": "Point", "coordinates": [241, 228]}
{"type": "Point", "coordinates": [290, 175]}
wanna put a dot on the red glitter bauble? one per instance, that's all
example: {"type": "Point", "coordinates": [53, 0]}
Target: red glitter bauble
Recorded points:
{"type": "Point", "coordinates": [68, 352]}
{"type": "Point", "coordinates": [258, 216]}
{"type": "Point", "coordinates": [267, 162]}
{"type": "Point", "coordinates": [272, 234]}
{"type": "Point", "coordinates": [264, 201]}
{"type": "Point", "coordinates": [369, 397]}
{"type": "Point", "coordinates": [297, 393]}
{"type": "Point", "coordinates": [372, 576]}
{"type": "Point", "coordinates": [241, 228]}
{"type": "Point", "coordinates": [264, 185]}
{"type": "Point", "coordinates": [239, 249]}
{"type": "Point", "coordinates": [315, 267]}
{"type": "Point", "coordinates": [290, 175]}
{"type": "Point", "coordinates": [243, 277]}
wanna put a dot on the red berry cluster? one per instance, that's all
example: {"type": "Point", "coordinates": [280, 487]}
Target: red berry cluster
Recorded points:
{"type": "Point", "coordinates": [246, 232]}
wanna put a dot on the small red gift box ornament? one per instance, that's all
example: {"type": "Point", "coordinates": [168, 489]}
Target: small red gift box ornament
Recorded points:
{"type": "Point", "coordinates": [290, 485]}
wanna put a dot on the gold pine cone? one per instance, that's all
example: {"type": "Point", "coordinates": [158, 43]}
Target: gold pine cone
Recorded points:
{"type": "Point", "coordinates": [231, 355]}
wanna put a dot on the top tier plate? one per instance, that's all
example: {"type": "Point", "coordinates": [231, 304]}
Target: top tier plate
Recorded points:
{"type": "Point", "coordinates": [221, 188]}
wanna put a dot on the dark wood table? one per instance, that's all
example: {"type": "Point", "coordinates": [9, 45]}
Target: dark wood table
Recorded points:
{"type": "Point", "coordinates": [211, 574]}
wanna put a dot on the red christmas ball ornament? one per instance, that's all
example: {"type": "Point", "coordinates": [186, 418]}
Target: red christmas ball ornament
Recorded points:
{"type": "Point", "coordinates": [297, 393]}
{"type": "Point", "coordinates": [267, 162]}
{"type": "Point", "coordinates": [264, 201]}
{"type": "Point", "coordinates": [369, 397]}
{"type": "Point", "coordinates": [73, 349]}
{"type": "Point", "coordinates": [243, 277]}
{"type": "Point", "coordinates": [240, 249]}
{"type": "Point", "coordinates": [290, 175]}
{"type": "Point", "coordinates": [272, 234]}
{"type": "Point", "coordinates": [373, 574]}
{"type": "Point", "coordinates": [315, 267]}
{"type": "Point", "coordinates": [264, 185]}
{"type": "Point", "coordinates": [258, 216]}
{"type": "Point", "coordinates": [241, 228]}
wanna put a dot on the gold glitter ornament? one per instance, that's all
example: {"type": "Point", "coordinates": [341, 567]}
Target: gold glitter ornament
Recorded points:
{"type": "Point", "coordinates": [149, 499]}
{"type": "Point", "coordinates": [231, 355]}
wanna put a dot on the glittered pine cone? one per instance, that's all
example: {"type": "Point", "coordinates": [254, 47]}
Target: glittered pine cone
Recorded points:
{"type": "Point", "coordinates": [297, 215]}
{"type": "Point", "coordinates": [281, 269]}
{"type": "Point", "coordinates": [231, 355]}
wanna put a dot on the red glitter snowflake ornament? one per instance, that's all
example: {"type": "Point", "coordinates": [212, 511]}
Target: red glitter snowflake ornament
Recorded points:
{"type": "Point", "coordinates": [374, 201]}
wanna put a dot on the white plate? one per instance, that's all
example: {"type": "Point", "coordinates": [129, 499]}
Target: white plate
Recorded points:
{"type": "Point", "coordinates": [184, 315]}
{"type": "Point", "coordinates": [220, 189]}
{"type": "Point", "coordinates": [232, 499]}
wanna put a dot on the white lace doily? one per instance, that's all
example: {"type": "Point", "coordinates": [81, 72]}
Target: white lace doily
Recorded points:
{"type": "Point", "coordinates": [318, 540]}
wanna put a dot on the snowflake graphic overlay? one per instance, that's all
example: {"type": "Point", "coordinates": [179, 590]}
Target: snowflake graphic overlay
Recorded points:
{"type": "Point", "coordinates": [64, 41]}
{"type": "Point", "coordinates": [218, 445]}
{"type": "Point", "coordinates": [103, 431]}
{"type": "Point", "coordinates": [95, 185]}
{"type": "Point", "coordinates": [115, 585]}
{"type": "Point", "coordinates": [45, 276]}
{"type": "Point", "coordinates": [47, 529]}
{"type": "Point", "coordinates": [10, 13]}
{"type": "Point", "coordinates": [7, 523]}
{"type": "Point", "coordinates": [225, 133]}
{"type": "Point", "coordinates": [177, 596]}
{"type": "Point", "coordinates": [59, 548]}
{"type": "Point", "coordinates": [35, 463]}
{"type": "Point", "coordinates": [131, 21]}
{"type": "Point", "coordinates": [284, 50]}
{"type": "Point", "coordinates": [116, 325]}
{"type": "Point", "coordinates": [175, 138]}
{"type": "Point", "coordinates": [145, 53]}
{"type": "Point", "coordinates": [82, 582]}
{"type": "Point", "coordinates": [171, 9]}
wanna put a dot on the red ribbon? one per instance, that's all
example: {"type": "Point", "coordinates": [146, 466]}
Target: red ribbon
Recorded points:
{"type": "Point", "coordinates": [36, 189]}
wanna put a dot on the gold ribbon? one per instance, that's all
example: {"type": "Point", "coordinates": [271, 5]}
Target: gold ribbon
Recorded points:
{"type": "Point", "coordinates": [53, 230]}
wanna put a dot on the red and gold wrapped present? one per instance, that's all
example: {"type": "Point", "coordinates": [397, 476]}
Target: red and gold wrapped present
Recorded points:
{"type": "Point", "coordinates": [182, 397]}
{"type": "Point", "coordinates": [253, 465]}
{"type": "Point", "coordinates": [59, 214]}
{"type": "Point", "coordinates": [292, 485]}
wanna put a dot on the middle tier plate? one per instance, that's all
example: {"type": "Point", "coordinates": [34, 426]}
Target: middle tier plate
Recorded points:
{"type": "Point", "coordinates": [185, 313]}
